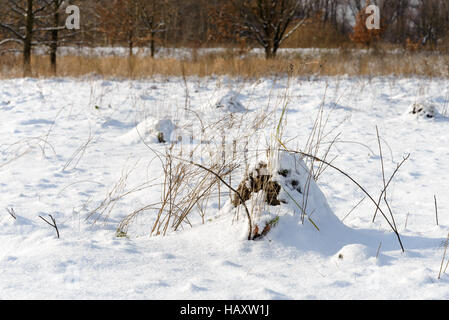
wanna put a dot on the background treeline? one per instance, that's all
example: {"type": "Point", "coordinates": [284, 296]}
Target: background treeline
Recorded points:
{"type": "Point", "coordinates": [243, 24]}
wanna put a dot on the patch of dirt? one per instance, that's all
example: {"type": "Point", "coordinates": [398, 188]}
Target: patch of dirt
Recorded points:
{"type": "Point", "coordinates": [258, 180]}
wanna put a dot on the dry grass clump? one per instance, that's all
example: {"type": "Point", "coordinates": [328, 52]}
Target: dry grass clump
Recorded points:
{"type": "Point", "coordinates": [186, 189]}
{"type": "Point", "coordinates": [316, 63]}
{"type": "Point", "coordinates": [195, 175]}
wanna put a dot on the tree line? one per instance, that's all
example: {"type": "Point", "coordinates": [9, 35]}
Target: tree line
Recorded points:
{"type": "Point", "coordinates": [198, 23]}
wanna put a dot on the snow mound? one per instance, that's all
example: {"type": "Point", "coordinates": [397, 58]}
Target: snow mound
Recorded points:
{"type": "Point", "coordinates": [299, 191]}
{"type": "Point", "coordinates": [150, 130]}
{"type": "Point", "coordinates": [230, 102]}
{"type": "Point", "coordinates": [283, 190]}
{"type": "Point", "coordinates": [423, 110]}
{"type": "Point", "coordinates": [354, 253]}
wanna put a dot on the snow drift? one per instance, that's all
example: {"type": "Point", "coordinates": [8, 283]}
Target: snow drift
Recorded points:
{"type": "Point", "coordinates": [230, 102]}
{"type": "Point", "coordinates": [284, 190]}
{"type": "Point", "coordinates": [150, 130]}
{"type": "Point", "coordinates": [424, 110]}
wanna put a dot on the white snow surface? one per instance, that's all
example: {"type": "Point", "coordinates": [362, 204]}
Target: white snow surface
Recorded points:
{"type": "Point", "coordinates": [62, 152]}
{"type": "Point", "coordinates": [230, 102]}
{"type": "Point", "coordinates": [148, 131]}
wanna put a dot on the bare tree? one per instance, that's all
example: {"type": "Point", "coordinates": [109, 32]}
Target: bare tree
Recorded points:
{"type": "Point", "coordinates": [21, 25]}
{"type": "Point", "coordinates": [432, 20]}
{"type": "Point", "coordinates": [355, 5]}
{"type": "Point", "coordinates": [55, 29]}
{"type": "Point", "coordinates": [119, 21]}
{"type": "Point", "coordinates": [152, 19]}
{"type": "Point", "coordinates": [267, 22]}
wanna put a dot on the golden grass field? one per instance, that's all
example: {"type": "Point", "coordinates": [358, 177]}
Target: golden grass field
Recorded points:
{"type": "Point", "coordinates": [326, 63]}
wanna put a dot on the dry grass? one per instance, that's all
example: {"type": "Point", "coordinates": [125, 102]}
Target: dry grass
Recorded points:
{"type": "Point", "coordinates": [326, 63]}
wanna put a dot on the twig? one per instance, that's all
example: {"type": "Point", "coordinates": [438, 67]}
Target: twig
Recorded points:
{"type": "Point", "coordinates": [388, 184]}
{"type": "Point", "coordinates": [78, 153]}
{"type": "Point", "coordinates": [53, 223]}
{"type": "Point", "coordinates": [351, 142]}
{"type": "Point", "coordinates": [447, 265]}
{"type": "Point", "coordinates": [436, 209]}
{"type": "Point", "coordinates": [378, 250]}
{"type": "Point", "coordinates": [12, 213]}
{"type": "Point", "coordinates": [45, 139]}
{"type": "Point", "coordinates": [381, 161]}
{"type": "Point", "coordinates": [236, 192]}
{"type": "Point", "coordinates": [17, 157]}
{"type": "Point", "coordinates": [384, 192]}
{"type": "Point", "coordinates": [358, 185]}
{"type": "Point", "coordinates": [353, 209]}
{"type": "Point", "coordinates": [444, 256]}
{"type": "Point", "coordinates": [230, 188]}
{"type": "Point", "coordinates": [406, 220]}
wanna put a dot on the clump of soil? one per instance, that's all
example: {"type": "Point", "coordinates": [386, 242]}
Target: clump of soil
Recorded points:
{"type": "Point", "coordinates": [258, 180]}
{"type": "Point", "coordinates": [160, 137]}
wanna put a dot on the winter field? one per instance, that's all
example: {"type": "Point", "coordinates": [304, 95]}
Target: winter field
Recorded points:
{"type": "Point", "coordinates": [109, 161]}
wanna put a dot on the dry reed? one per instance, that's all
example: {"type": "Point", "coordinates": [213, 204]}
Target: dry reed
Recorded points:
{"type": "Point", "coordinates": [323, 63]}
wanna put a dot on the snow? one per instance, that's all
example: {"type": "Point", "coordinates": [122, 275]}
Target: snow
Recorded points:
{"type": "Point", "coordinates": [150, 130]}
{"type": "Point", "coordinates": [424, 110]}
{"type": "Point", "coordinates": [167, 52]}
{"type": "Point", "coordinates": [65, 145]}
{"type": "Point", "coordinates": [310, 200]}
{"type": "Point", "coordinates": [230, 102]}
{"type": "Point", "coordinates": [187, 53]}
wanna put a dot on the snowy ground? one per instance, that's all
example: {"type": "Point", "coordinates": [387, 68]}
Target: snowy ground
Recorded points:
{"type": "Point", "coordinates": [65, 143]}
{"type": "Point", "coordinates": [183, 53]}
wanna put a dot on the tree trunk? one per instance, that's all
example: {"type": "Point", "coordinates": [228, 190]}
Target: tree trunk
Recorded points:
{"type": "Point", "coordinates": [152, 45]}
{"type": "Point", "coordinates": [131, 43]}
{"type": "Point", "coordinates": [270, 52]}
{"type": "Point", "coordinates": [54, 41]}
{"type": "Point", "coordinates": [27, 45]}
{"type": "Point", "coordinates": [130, 47]}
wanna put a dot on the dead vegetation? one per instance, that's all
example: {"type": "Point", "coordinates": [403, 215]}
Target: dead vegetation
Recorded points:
{"type": "Point", "coordinates": [329, 62]}
{"type": "Point", "coordinates": [192, 179]}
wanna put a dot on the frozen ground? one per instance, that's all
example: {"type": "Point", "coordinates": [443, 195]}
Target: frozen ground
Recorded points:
{"type": "Point", "coordinates": [64, 145]}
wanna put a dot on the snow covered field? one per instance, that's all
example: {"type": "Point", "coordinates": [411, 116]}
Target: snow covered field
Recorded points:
{"type": "Point", "coordinates": [65, 144]}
